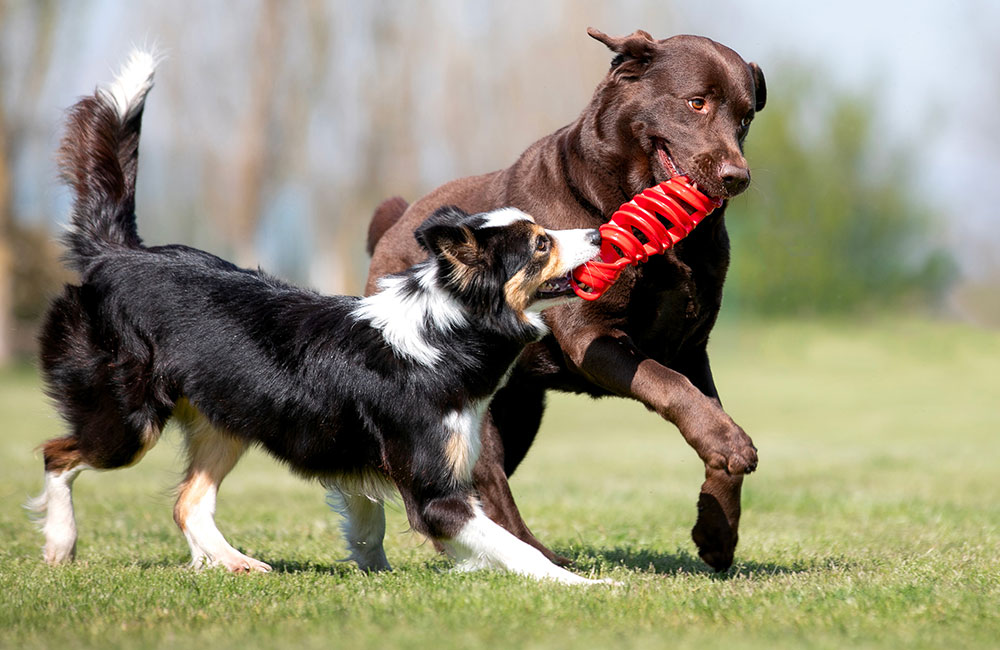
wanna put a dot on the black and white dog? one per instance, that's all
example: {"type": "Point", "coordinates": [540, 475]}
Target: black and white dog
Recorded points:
{"type": "Point", "coordinates": [362, 394]}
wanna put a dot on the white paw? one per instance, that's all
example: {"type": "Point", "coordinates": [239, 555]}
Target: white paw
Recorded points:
{"type": "Point", "coordinates": [59, 552]}
{"type": "Point", "coordinates": [237, 563]}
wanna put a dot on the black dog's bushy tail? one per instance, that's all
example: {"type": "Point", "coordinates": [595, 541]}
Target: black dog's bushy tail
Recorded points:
{"type": "Point", "coordinates": [98, 159]}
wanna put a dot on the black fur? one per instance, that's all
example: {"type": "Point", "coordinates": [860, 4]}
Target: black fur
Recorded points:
{"type": "Point", "coordinates": [295, 372]}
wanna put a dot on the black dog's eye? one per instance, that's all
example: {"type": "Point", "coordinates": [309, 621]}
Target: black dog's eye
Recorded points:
{"type": "Point", "coordinates": [542, 245]}
{"type": "Point", "coordinates": [697, 104]}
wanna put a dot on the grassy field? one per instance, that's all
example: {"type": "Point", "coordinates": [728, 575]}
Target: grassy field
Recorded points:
{"type": "Point", "coordinates": [873, 522]}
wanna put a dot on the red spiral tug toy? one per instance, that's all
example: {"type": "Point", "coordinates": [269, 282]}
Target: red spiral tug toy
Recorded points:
{"type": "Point", "coordinates": [675, 200]}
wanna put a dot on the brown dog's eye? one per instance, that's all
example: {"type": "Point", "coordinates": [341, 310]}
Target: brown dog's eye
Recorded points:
{"type": "Point", "coordinates": [697, 104]}
{"type": "Point", "coordinates": [745, 122]}
{"type": "Point", "coordinates": [542, 245]}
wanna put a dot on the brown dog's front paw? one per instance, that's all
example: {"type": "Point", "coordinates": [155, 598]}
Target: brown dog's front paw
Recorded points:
{"type": "Point", "coordinates": [716, 532]}
{"type": "Point", "coordinates": [733, 452]}
{"type": "Point", "coordinates": [560, 560]}
{"type": "Point", "coordinates": [715, 547]}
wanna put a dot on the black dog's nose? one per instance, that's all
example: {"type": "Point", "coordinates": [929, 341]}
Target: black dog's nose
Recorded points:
{"type": "Point", "coordinates": [734, 179]}
{"type": "Point", "coordinates": [594, 237]}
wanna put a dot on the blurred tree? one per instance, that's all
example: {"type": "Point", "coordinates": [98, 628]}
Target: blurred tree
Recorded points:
{"type": "Point", "coordinates": [18, 98]}
{"type": "Point", "coordinates": [254, 167]}
{"type": "Point", "coordinates": [6, 232]}
{"type": "Point", "coordinates": [832, 222]}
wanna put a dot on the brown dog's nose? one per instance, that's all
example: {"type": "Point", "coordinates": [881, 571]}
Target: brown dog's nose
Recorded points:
{"type": "Point", "coordinates": [734, 179]}
{"type": "Point", "coordinates": [594, 237]}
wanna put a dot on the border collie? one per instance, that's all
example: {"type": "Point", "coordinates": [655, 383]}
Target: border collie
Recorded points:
{"type": "Point", "coordinates": [363, 394]}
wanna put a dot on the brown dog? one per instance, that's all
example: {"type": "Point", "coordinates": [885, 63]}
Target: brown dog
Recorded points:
{"type": "Point", "coordinates": [677, 106]}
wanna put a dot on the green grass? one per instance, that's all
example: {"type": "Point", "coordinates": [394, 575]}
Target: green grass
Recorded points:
{"type": "Point", "coordinates": [873, 522]}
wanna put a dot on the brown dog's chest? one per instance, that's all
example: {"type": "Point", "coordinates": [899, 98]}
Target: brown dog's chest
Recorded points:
{"type": "Point", "coordinates": [674, 298]}
{"type": "Point", "coordinates": [674, 303]}
{"type": "Point", "coordinates": [667, 306]}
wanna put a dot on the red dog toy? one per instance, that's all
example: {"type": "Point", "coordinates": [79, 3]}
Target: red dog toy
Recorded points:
{"type": "Point", "coordinates": [675, 199]}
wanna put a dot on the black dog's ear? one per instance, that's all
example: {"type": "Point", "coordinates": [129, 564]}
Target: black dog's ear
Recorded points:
{"type": "Point", "coordinates": [443, 234]}
{"type": "Point", "coordinates": [634, 52]}
{"type": "Point", "coordinates": [443, 226]}
{"type": "Point", "coordinates": [760, 88]}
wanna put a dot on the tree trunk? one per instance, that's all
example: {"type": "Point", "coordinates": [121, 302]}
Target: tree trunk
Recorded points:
{"type": "Point", "coordinates": [6, 252]}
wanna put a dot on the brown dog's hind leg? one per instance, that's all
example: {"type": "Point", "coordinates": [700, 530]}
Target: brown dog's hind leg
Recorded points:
{"type": "Point", "coordinates": [495, 495]}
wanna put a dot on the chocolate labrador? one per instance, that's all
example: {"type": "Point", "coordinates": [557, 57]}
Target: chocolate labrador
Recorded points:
{"type": "Point", "coordinates": [682, 105]}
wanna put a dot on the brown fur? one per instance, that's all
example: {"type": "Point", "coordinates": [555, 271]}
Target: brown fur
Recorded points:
{"type": "Point", "coordinates": [646, 337]}
{"type": "Point", "coordinates": [61, 454]}
{"type": "Point", "coordinates": [386, 214]}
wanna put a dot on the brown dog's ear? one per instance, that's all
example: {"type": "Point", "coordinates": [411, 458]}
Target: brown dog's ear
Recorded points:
{"type": "Point", "coordinates": [760, 88]}
{"type": "Point", "coordinates": [634, 52]}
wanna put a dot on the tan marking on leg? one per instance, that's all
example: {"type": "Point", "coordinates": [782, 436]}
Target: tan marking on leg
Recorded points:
{"type": "Point", "coordinates": [149, 437]}
{"type": "Point", "coordinates": [458, 455]}
{"type": "Point", "coordinates": [462, 447]}
{"type": "Point", "coordinates": [213, 453]}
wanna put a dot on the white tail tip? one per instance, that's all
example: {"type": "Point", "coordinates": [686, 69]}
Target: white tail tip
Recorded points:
{"type": "Point", "coordinates": [128, 91]}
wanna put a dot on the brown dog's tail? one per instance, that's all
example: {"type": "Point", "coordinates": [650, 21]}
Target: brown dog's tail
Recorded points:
{"type": "Point", "coordinates": [386, 215]}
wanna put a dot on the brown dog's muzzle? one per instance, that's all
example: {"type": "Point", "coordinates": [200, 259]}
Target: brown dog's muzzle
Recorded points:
{"type": "Point", "coordinates": [734, 178]}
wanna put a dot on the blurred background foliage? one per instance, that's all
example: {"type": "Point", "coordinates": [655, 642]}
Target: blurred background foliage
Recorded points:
{"type": "Point", "coordinates": [276, 128]}
{"type": "Point", "coordinates": [831, 223]}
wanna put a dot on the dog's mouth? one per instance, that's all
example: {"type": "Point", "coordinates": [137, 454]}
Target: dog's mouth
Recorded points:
{"type": "Point", "coordinates": [666, 160]}
{"type": "Point", "coordinates": [671, 168]}
{"type": "Point", "coordinates": [555, 288]}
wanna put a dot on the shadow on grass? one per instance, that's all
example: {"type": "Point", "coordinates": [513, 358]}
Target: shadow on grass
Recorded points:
{"type": "Point", "coordinates": [340, 569]}
{"type": "Point", "coordinates": [679, 563]}
{"type": "Point", "coordinates": [585, 558]}
{"type": "Point", "coordinates": [277, 566]}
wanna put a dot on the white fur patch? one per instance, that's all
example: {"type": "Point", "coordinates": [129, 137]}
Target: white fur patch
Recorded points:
{"type": "Point", "coordinates": [505, 217]}
{"type": "Point", "coordinates": [534, 312]}
{"type": "Point", "coordinates": [401, 315]}
{"type": "Point", "coordinates": [359, 498]}
{"type": "Point", "coordinates": [54, 508]}
{"type": "Point", "coordinates": [135, 79]}
{"type": "Point", "coordinates": [482, 544]}
{"type": "Point", "coordinates": [575, 247]}
{"type": "Point", "coordinates": [209, 547]}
